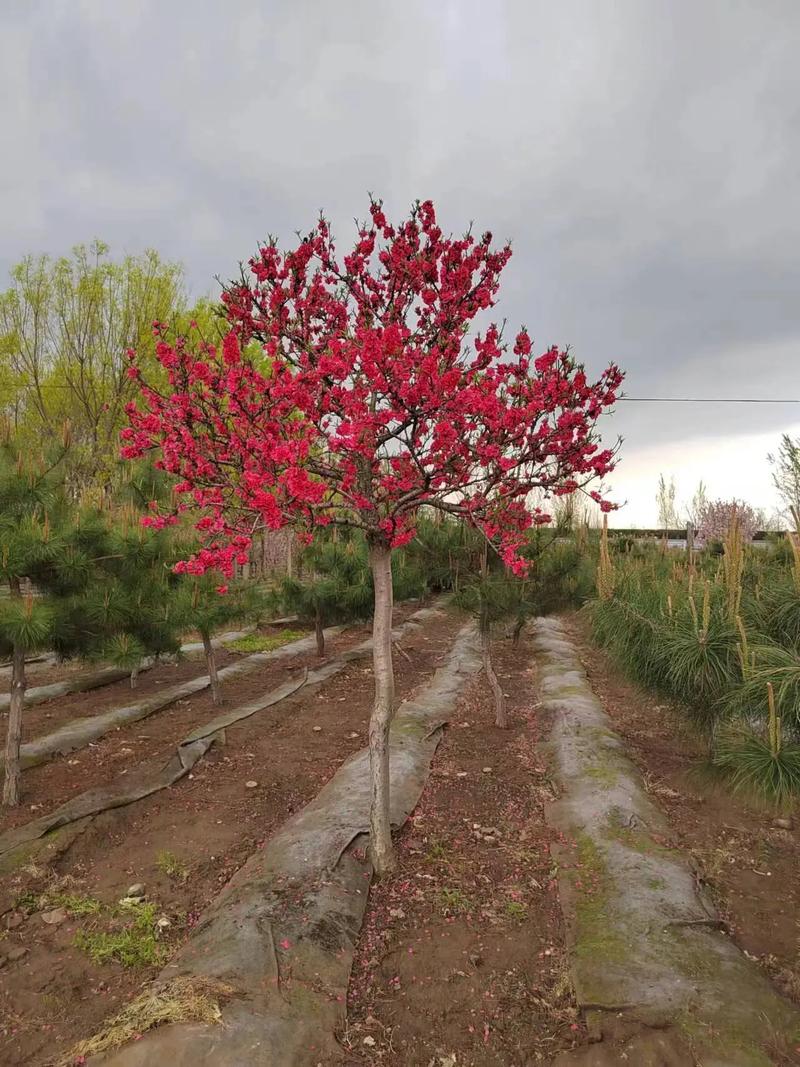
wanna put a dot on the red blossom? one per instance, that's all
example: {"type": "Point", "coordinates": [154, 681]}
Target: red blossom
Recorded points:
{"type": "Point", "coordinates": [345, 392]}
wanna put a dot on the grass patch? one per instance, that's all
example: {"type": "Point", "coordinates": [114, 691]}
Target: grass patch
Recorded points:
{"type": "Point", "coordinates": [437, 850]}
{"type": "Point", "coordinates": [454, 902]}
{"type": "Point", "coordinates": [169, 864]}
{"type": "Point", "coordinates": [516, 910]}
{"type": "Point", "coordinates": [133, 945]}
{"type": "Point", "coordinates": [181, 1001]}
{"type": "Point", "coordinates": [262, 642]}
{"type": "Point", "coordinates": [73, 903]}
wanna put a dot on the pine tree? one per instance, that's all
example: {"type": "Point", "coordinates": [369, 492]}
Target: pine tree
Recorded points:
{"type": "Point", "coordinates": [210, 606]}
{"type": "Point", "coordinates": [133, 606]}
{"type": "Point", "coordinates": [492, 595]}
{"type": "Point", "coordinates": [44, 569]}
{"type": "Point", "coordinates": [337, 587]}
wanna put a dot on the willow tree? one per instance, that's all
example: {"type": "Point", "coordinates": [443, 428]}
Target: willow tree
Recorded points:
{"type": "Point", "coordinates": [65, 325]}
{"type": "Point", "coordinates": [362, 402]}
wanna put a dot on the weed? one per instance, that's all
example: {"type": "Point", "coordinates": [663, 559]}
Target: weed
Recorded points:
{"type": "Point", "coordinates": [169, 864]}
{"type": "Point", "coordinates": [437, 850]}
{"type": "Point", "coordinates": [134, 945]}
{"type": "Point", "coordinates": [516, 910]}
{"type": "Point", "coordinates": [74, 903]}
{"type": "Point", "coordinates": [454, 902]}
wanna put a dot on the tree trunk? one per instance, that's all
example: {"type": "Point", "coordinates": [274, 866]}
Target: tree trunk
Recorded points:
{"type": "Point", "coordinates": [11, 790]}
{"type": "Point", "coordinates": [500, 716]}
{"type": "Point", "coordinates": [14, 733]}
{"type": "Point", "coordinates": [134, 677]}
{"type": "Point", "coordinates": [211, 661]}
{"type": "Point", "coordinates": [319, 632]}
{"type": "Point", "coordinates": [380, 559]}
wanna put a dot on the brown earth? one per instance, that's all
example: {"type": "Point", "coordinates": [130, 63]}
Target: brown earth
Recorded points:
{"type": "Point", "coordinates": [751, 867]}
{"type": "Point", "coordinates": [461, 954]}
{"type": "Point", "coordinates": [43, 718]}
{"type": "Point", "coordinates": [207, 825]}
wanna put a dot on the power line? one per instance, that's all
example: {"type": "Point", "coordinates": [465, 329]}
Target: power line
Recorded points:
{"type": "Point", "coordinates": [702, 400]}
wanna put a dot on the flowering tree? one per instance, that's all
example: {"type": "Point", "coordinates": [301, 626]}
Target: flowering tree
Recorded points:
{"type": "Point", "coordinates": [717, 516]}
{"type": "Point", "coordinates": [346, 393]}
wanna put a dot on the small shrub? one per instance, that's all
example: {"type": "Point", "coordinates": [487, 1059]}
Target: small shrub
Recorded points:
{"type": "Point", "coordinates": [753, 765]}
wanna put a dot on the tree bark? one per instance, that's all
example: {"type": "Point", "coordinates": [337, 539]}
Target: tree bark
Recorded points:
{"type": "Point", "coordinates": [500, 715]}
{"type": "Point", "coordinates": [11, 789]}
{"type": "Point", "coordinates": [381, 851]}
{"type": "Point", "coordinates": [211, 662]}
{"type": "Point", "coordinates": [134, 677]}
{"type": "Point", "coordinates": [319, 632]}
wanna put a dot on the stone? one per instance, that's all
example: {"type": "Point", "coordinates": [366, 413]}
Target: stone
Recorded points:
{"type": "Point", "coordinates": [317, 729]}
{"type": "Point", "coordinates": [136, 890]}
{"type": "Point", "coordinates": [54, 917]}
{"type": "Point", "coordinates": [783, 824]}
{"type": "Point", "coordinates": [251, 785]}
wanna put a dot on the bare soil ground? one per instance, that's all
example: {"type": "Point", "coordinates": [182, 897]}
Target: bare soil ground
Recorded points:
{"type": "Point", "coordinates": [461, 958]}
{"type": "Point", "coordinates": [751, 867]}
{"type": "Point", "coordinates": [43, 718]}
{"type": "Point", "coordinates": [183, 843]}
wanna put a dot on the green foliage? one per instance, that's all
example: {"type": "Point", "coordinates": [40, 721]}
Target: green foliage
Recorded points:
{"type": "Point", "coordinates": [445, 552]}
{"type": "Point", "coordinates": [169, 864]}
{"type": "Point", "coordinates": [208, 610]}
{"type": "Point", "coordinates": [751, 765]}
{"type": "Point", "coordinates": [133, 945]}
{"type": "Point", "coordinates": [669, 626]}
{"type": "Point", "coordinates": [337, 586]}
{"type": "Point", "coordinates": [261, 642]}
{"type": "Point", "coordinates": [65, 326]}
{"type": "Point", "coordinates": [25, 622]}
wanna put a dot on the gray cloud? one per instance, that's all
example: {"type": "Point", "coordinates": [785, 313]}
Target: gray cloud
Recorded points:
{"type": "Point", "coordinates": [644, 155]}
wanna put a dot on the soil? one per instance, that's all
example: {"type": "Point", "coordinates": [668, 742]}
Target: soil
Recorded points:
{"type": "Point", "coordinates": [47, 786]}
{"type": "Point", "coordinates": [43, 718]}
{"type": "Point", "coordinates": [183, 843]}
{"type": "Point", "coordinates": [461, 957]}
{"type": "Point", "coordinates": [750, 866]}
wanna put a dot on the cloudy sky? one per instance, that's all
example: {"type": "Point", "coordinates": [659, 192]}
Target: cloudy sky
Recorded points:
{"type": "Point", "coordinates": [643, 155]}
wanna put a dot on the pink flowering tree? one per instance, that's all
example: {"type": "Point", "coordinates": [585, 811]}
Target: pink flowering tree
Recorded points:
{"type": "Point", "coordinates": [717, 516]}
{"type": "Point", "coordinates": [346, 393]}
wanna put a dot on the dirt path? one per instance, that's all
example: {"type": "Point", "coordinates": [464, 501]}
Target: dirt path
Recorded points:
{"type": "Point", "coordinates": [206, 826]}
{"type": "Point", "coordinates": [461, 960]}
{"type": "Point", "coordinates": [655, 973]}
{"type": "Point", "coordinates": [750, 866]}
